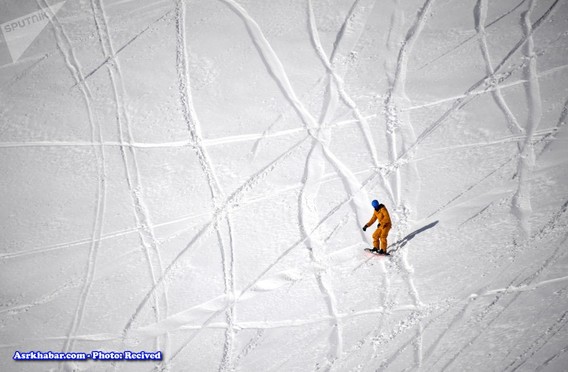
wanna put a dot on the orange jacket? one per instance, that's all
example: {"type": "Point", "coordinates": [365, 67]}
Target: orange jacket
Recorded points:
{"type": "Point", "coordinates": [382, 215]}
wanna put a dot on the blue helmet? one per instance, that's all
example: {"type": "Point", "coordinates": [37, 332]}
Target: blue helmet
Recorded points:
{"type": "Point", "coordinates": [375, 204]}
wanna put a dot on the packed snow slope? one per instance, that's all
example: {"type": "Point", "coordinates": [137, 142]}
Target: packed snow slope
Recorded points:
{"type": "Point", "coordinates": [192, 177]}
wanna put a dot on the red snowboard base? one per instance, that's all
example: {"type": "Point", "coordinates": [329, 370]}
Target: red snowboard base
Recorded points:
{"type": "Point", "coordinates": [376, 253]}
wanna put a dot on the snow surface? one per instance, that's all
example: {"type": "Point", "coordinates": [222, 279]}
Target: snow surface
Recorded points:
{"type": "Point", "coordinates": [192, 177]}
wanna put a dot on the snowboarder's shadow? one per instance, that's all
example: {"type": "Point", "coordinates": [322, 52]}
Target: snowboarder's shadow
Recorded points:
{"type": "Point", "coordinates": [402, 242]}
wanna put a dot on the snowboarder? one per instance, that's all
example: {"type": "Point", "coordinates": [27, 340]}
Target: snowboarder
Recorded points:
{"type": "Point", "coordinates": [380, 235]}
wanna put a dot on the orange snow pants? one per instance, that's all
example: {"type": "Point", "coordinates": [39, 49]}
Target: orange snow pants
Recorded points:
{"type": "Point", "coordinates": [380, 234]}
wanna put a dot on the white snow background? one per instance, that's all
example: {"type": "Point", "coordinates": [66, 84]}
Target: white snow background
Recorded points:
{"type": "Point", "coordinates": [192, 177]}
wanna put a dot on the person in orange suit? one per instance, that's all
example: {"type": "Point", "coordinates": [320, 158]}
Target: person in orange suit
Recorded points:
{"type": "Point", "coordinates": [380, 235]}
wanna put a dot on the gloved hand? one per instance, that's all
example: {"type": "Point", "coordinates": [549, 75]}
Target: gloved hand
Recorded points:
{"type": "Point", "coordinates": [365, 228]}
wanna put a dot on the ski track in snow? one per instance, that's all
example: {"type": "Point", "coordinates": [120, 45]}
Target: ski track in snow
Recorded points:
{"type": "Point", "coordinates": [395, 98]}
{"type": "Point", "coordinates": [496, 85]}
{"type": "Point", "coordinates": [72, 63]}
{"type": "Point", "coordinates": [544, 134]}
{"type": "Point", "coordinates": [250, 346]}
{"type": "Point", "coordinates": [211, 309]}
{"type": "Point", "coordinates": [199, 235]}
{"type": "Point", "coordinates": [314, 170]}
{"type": "Point", "coordinates": [210, 226]}
{"type": "Point", "coordinates": [480, 14]}
{"type": "Point", "coordinates": [129, 158]}
{"type": "Point", "coordinates": [272, 62]}
{"type": "Point", "coordinates": [328, 177]}
{"type": "Point", "coordinates": [205, 143]}
{"type": "Point", "coordinates": [317, 132]}
{"type": "Point", "coordinates": [26, 71]}
{"type": "Point", "coordinates": [524, 286]}
{"type": "Point", "coordinates": [182, 321]}
{"type": "Point", "coordinates": [326, 319]}
{"type": "Point", "coordinates": [307, 218]}
{"type": "Point", "coordinates": [411, 286]}
{"type": "Point", "coordinates": [193, 124]}
{"type": "Point", "coordinates": [417, 316]}
{"type": "Point", "coordinates": [219, 308]}
{"type": "Point", "coordinates": [355, 21]}
{"type": "Point", "coordinates": [113, 57]}
{"type": "Point", "coordinates": [467, 96]}
{"type": "Point", "coordinates": [471, 38]}
{"type": "Point", "coordinates": [521, 205]}
{"type": "Point", "coordinates": [18, 309]}
{"type": "Point", "coordinates": [553, 357]}
{"type": "Point", "coordinates": [218, 303]}
{"type": "Point", "coordinates": [274, 65]}
{"type": "Point", "coordinates": [471, 187]}
{"type": "Point", "coordinates": [561, 123]}
{"type": "Point", "coordinates": [487, 176]}
{"type": "Point", "coordinates": [269, 132]}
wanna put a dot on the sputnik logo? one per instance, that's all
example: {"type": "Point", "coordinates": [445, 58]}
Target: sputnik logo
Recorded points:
{"type": "Point", "coordinates": [19, 33]}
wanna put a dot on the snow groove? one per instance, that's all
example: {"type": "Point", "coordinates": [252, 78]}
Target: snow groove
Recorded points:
{"type": "Point", "coordinates": [486, 326]}
{"type": "Point", "coordinates": [232, 311]}
{"type": "Point", "coordinates": [395, 98]}
{"type": "Point", "coordinates": [132, 171]}
{"type": "Point", "coordinates": [459, 317]}
{"type": "Point", "coordinates": [210, 226]}
{"type": "Point", "coordinates": [279, 74]}
{"type": "Point", "coordinates": [72, 63]}
{"type": "Point", "coordinates": [268, 132]}
{"type": "Point", "coordinates": [192, 121]}
{"type": "Point", "coordinates": [212, 308]}
{"type": "Point", "coordinates": [323, 311]}
{"type": "Point", "coordinates": [113, 56]}
{"type": "Point", "coordinates": [337, 227]}
{"type": "Point", "coordinates": [549, 360]}
{"type": "Point", "coordinates": [307, 218]}
{"type": "Point", "coordinates": [16, 310]}
{"type": "Point", "coordinates": [119, 233]}
{"type": "Point", "coordinates": [468, 95]}
{"type": "Point", "coordinates": [525, 285]}
{"type": "Point", "coordinates": [480, 14]}
{"type": "Point", "coordinates": [521, 207]}
{"type": "Point", "coordinates": [559, 124]}
{"type": "Point", "coordinates": [185, 320]}
{"type": "Point", "coordinates": [339, 53]}
{"type": "Point", "coordinates": [272, 63]}
{"type": "Point", "coordinates": [320, 134]}
{"type": "Point", "coordinates": [517, 290]}
{"type": "Point", "coordinates": [379, 343]}
{"type": "Point", "coordinates": [25, 72]}
{"type": "Point", "coordinates": [337, 66]}
{"type": "Point", "coordinates": [469, 188]}
{"type": "Point", "coordinates": [253, 344]}
{"type": "Point", "coordinates": [493, 84]}
{"type": "Point", "coordinates": [464, 42]}
{"type": "Point", "coordinates": [479, 318]}
{"type": "Point", "coordinates": [413, 320]}
{"type": "Point", "coordinates": [259, 277]}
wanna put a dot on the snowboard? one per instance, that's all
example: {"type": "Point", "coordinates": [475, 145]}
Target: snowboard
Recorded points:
{"type": "Point", "coordinates": [377, 253]}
